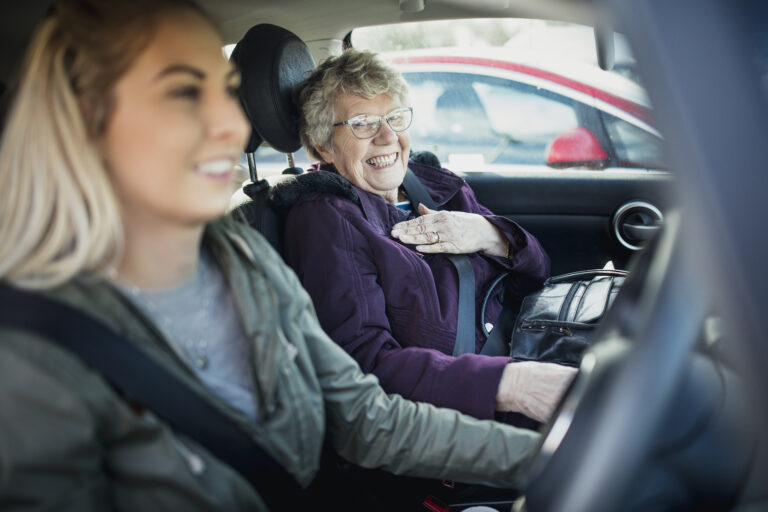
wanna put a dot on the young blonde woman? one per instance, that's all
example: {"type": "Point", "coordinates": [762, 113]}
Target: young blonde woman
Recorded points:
{"type": "Point", "coordinates": [115, 170]}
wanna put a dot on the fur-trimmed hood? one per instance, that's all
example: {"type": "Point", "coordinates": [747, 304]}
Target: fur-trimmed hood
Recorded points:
{"type": "Point", "coordinates": [287, 193]}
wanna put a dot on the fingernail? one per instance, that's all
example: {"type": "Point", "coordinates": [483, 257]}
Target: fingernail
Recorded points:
{"type": "Point", "coordinates": [396, 233]}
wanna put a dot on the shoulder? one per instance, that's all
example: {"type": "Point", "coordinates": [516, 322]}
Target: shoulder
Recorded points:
{"type": "Point", "coordinates": [285, 195]}
{"type": "Point", "coordinates": [85, 295]}
{"type": "Point", "coordinates": [432, 173]}
{"type": "Point", "coordinates": [247, 243]}
{"type": "Point", "coordinates": [442, 184]}
{"type": "Point", "coordinates": [38, 369]}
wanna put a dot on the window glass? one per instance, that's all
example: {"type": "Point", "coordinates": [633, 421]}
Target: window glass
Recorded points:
{"type": "Point", "coordinates": [634, 146]}
{"type": "Point", "coordinates": [470, 120]}
{"type": "Point", "coordinates": [270, 161]}
{"type": "Point", "coordinates": [500, 94]}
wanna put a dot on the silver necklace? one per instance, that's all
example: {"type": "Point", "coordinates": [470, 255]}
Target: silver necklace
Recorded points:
{"type": "Point", "coordinates": [194, 350]}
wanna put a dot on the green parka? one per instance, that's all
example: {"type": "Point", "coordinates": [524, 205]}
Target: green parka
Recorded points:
{"type": "Point", "coordinates": [68, 441]}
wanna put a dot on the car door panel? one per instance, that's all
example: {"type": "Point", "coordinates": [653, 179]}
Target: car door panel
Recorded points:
{"type": "Point", "coordinates": [572, 213]}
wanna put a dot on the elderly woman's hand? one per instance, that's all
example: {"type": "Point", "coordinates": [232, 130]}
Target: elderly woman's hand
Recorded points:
{"type": "Point", "coordinates": [451, 232]}
{"type": "Point", "coordinates": [533, 388]}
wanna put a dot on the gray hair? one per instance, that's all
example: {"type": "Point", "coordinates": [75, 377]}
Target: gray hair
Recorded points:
{"type": "Point", "coordinates": [354, 72]}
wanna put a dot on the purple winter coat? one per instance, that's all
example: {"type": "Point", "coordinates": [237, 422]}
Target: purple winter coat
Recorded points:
{"type": "Point", "coordinates": [395, 309]}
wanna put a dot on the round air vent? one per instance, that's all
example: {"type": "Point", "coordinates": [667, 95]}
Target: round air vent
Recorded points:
{"type": "Point", "coordinates": [636, 222]}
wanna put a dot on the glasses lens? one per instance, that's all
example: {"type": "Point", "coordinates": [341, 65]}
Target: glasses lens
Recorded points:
{"type": "Point", "coordinates": [364, 126]}
{"type": "Point", "coordinates": [400, 119]}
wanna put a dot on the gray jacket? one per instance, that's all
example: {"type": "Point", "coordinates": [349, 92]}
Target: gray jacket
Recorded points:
{"type": "Point", "coordinates": [69, 442]}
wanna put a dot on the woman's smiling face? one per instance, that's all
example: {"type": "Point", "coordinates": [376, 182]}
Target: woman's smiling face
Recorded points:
{"type": "Point", "coordinates": [177, 130]}
{"type": "Point", "coordinates": [376, 164]}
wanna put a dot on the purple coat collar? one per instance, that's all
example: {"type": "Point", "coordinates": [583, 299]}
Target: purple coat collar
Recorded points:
{"type": "Point", "coordinates": [382, 215]}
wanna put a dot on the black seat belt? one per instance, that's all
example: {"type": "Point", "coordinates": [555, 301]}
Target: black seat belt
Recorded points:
{"type": "Point", "coordinates": [465, 326]}
{"type": "Point", "coordinates": [144, 380]}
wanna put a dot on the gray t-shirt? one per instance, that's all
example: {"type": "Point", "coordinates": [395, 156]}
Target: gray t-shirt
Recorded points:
{"type": "Point", "coordinates": [200, 321]}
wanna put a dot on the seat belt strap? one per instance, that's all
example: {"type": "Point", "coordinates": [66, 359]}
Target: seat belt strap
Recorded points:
{"type": "Point", "coordinates": [465, 325]}
{"type": "Point", "coordinates": [146, 381]}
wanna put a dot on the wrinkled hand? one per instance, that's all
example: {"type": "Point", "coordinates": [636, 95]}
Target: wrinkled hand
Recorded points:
{"type": "Point", "coordinates": [532, 388]}
{"type": "Point", "coordinates": [450, 232]}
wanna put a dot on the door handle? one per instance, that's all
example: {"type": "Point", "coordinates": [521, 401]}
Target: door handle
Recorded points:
{"type": "Point", "coordinates": [642, 232]}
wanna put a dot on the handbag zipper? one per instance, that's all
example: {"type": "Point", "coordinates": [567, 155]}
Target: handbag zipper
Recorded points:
{"type": "Point", "coordinates": [542, 327]}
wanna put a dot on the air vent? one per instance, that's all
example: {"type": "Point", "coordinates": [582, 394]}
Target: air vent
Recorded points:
{"type": "Point", "coordinates": [636, 222]}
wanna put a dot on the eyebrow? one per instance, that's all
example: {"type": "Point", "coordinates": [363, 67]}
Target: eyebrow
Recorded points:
{"type": "Point", "coordinates": [181, 68]}
{"type": "Point", "coordinates": [190, 70]}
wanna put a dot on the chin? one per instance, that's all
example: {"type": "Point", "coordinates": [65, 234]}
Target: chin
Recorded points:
{"type": "Point", "coordinates": [212, 209]}
{"type": "Point", "coordinates": [394, 179]}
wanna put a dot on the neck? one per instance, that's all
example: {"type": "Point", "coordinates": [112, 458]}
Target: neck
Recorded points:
{"type": "Point", "coordinates": [159, 255]}
{"type": "Point", "coordinates": [393, 196]}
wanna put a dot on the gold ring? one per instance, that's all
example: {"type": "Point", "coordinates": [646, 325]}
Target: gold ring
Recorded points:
{"type": "Point", "coordinates": [438, 236]}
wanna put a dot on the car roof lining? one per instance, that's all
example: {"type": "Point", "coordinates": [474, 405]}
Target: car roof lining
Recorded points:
{"type": "Point", "coordinates": [319, 23]}
{"type": "Point", "coordinates": [312, 21]}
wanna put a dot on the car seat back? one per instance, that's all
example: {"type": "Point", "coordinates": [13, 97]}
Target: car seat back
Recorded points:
{"type": "Point", "coordinates": [272, 62]}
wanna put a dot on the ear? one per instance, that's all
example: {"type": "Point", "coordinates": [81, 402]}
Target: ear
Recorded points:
{"type": "Point", "coordinates": [326, 155]}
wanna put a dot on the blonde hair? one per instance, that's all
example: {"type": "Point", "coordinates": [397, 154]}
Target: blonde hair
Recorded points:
{"type": "Point", "coordinates": [354, 72]}
{"type": "Point", "coordinates": [59, 215]}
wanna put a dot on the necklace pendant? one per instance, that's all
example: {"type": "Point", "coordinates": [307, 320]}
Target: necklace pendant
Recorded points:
{"type": "Point", "coordinates": [201, 361]}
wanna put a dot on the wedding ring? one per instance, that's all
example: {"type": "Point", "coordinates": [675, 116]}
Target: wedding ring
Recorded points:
{"type": "Point", "coordinates": [437, 235]}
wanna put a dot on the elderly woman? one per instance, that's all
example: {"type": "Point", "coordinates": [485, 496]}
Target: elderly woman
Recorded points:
{"type": "Point", "coordinates": [377, 272]}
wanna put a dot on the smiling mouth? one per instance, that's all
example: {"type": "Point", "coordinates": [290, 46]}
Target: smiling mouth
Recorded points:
{"type": "Point", "coordinates": [382, 161]}
{"type": "Point", "coordinates": [216, 168]}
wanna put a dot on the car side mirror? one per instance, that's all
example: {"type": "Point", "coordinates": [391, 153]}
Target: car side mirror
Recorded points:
{"type": "Point", "coordinates": [576, 148]}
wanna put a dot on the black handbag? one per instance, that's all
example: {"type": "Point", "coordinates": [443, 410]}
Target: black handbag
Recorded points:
{"type": "Point", "coordinates": [556, 323]}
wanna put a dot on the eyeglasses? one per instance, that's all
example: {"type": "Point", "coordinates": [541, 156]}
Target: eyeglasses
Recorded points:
{"type": "Point", "coordinates": [366, 126]}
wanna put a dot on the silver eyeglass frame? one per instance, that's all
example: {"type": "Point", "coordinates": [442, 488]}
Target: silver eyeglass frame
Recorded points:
{"type": "Point", "coordinates": [386, 117]}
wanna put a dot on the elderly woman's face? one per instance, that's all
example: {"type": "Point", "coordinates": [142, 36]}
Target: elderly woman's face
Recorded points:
{"type": "Point", "coordinates": [376, 164]}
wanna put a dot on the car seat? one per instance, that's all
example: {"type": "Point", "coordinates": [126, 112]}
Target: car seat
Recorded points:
{"type": "Point", "coordinates": [272, 61]}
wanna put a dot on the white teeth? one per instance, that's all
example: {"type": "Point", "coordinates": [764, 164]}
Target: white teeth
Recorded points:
{"type": "Point", "coordinates": [215, 167]}
{"type": "Point", "coordinates": [382, 161]}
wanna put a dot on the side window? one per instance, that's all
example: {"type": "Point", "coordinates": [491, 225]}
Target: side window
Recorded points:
{"type": "Point", "coordinates": [634, 146]}
{"type": "Point", "coordinates": [472, 120]}
{"type": "Point", "coordinates": [527, 118]}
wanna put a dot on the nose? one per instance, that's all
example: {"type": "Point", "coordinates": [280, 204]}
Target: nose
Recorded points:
{"type": "Point", "coordinates": [386, 134]}
{"type": "Point", "coordinates": [227, 121]}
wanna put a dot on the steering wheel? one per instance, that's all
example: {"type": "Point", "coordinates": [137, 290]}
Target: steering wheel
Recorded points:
{"type": "Point", "coordinates": [603, 429]}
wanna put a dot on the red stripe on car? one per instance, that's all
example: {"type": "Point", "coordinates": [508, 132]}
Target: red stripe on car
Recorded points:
{"type": "Point", "coordinates": [630, 107]}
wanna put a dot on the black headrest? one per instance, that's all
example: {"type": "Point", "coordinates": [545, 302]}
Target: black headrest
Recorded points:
{"type": "Point", "coordinates": [272, 61]}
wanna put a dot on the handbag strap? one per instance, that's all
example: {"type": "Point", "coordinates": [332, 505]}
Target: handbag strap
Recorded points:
{"type": "Point", "coordinates": [157, 389]}
{"type": "Point", "coordinates": [584, 274]}
{"type": "Point", "coordinates": [497, 342]}
{"type": "Point", "coordinates": [465, 325]}
{"type": "Point", "coordinates": [577, 278]}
